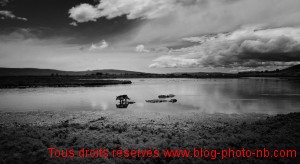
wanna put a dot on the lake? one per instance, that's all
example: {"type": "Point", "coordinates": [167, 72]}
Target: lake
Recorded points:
{"type": "Point", "coordinates": [245, 95]}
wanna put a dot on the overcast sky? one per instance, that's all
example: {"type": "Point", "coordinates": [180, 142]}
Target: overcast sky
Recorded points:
{"type": "Point", "coordinates": [150, 35]}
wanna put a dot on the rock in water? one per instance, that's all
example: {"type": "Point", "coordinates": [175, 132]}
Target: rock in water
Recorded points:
{"type": "Point", "coordinates": [166, 96]}
{"type": "Point", "coordinates": [173, 100]}
{"type": "Point", "coordinates": [156, 101]}
{"type": "Point", "coordinates": [131, 102]}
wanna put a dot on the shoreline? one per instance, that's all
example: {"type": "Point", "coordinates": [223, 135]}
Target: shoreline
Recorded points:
{"type": "Point", "coordinates": [140, 130]}
{"type": "Point", "coordinates": [48, 81]}
{"type": "Point", "coordinates": [23, 82]}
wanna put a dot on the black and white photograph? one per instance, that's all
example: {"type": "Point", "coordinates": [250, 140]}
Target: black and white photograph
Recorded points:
{"type": "Point", "coordinates": [149, 81]}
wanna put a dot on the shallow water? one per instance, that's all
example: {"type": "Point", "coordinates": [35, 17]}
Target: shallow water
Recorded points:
{"type": "Point", "coordinates": [259, 95]}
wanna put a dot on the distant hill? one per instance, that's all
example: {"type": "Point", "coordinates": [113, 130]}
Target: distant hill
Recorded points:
{"type": "Point", "coordinates": [293, 71]}
{"type": "Point", "coordinates": [48, 72]}
{"type": "Point", "coordinates": [295, 68]}
{"type": "Point", "coordinates": [113, 71]}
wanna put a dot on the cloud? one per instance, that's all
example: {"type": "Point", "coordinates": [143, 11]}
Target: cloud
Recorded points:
{"type": "Point", "coordinates": [9, 14]}
{"type": "Point", "coordinates": [248, 47]}
{"type": "Point", "coordinates": [99, 46]}
{"type": "Point", "coordinates": [141, 48]}
{"type": "Point", "coordinates": [84, 13]}
{"type": "Point", "coordinates": [73, 24]}
{"type": "Point", "coordinates": [145, 9]}
{"type": "Point", "coordinates": [213, 32]}
{"type": "Point", "coordinates": [169, 20]}
{"type": "Point", "coordinates": [153, 49]}
{"type": "Point", "coordinates": [161, 49]}
{"type": "Point", "coordinates": [169, 61]}
{"type": "Point", "coordinates": [202, 39]}
{"type": "Point", "coordinates": [215, 16]}
{"type": "Point", "coordinates": [133, 9]}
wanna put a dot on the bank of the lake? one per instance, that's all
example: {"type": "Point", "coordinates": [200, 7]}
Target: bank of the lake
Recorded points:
{"type": "Point", "coordinates": [56, 81]}
{"type": "Point", "coordinates": [25, 136]}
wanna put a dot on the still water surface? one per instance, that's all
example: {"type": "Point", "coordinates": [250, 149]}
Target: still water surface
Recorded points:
{"type": "Point", "coordinates": [259, 95]}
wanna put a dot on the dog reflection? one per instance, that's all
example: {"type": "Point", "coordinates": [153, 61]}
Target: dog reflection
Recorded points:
{"type": "Point", "coordinates": [122, 105]}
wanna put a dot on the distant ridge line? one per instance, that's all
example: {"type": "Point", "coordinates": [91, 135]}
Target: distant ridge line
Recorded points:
{"type": "Point", "coordinates": [48, 72]}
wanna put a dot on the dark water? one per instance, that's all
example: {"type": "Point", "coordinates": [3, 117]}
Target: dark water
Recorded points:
{"type": "Point", "coordinates": [260, 95]}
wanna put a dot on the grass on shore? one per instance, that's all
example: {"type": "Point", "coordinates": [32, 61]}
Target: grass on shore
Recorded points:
{"type": "Point", "coordinates": [28, 143]}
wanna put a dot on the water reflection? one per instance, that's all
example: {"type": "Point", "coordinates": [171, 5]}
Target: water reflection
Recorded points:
{"type": "Point", "coordinates": [122, 105]}
{"type": "Point", "coordinates": [123, 101]}
{"type": "Point", "coordinates": [201, 95]}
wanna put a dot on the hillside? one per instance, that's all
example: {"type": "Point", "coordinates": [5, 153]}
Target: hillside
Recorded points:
{"type": "Point", "coordinates": [293, 71]}
{"type": "Point", "coordinates": [48, 72]}
{"type": "Point", "coordinates": [295, 68]}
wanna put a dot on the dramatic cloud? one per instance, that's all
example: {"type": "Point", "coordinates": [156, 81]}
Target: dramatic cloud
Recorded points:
{"type": "Point", "coordinates": [99, 46]}
{"type": "Point", "coordinates": [168, 20]}
{"type": "Point", "coordinates": [141, 48]}
{"type": "Point", "coordinates": [133, 9]}
{"type": "Point", "coordinates": [8, 14]}
{"type": "Point", "coordinates": [248, 47]}
{"type": "Point", "coordinates": [215, 16]}
{"type": "Point", "coordinates": [84, 13]}
{"type": "Point", "coordinates": [146, 9]}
